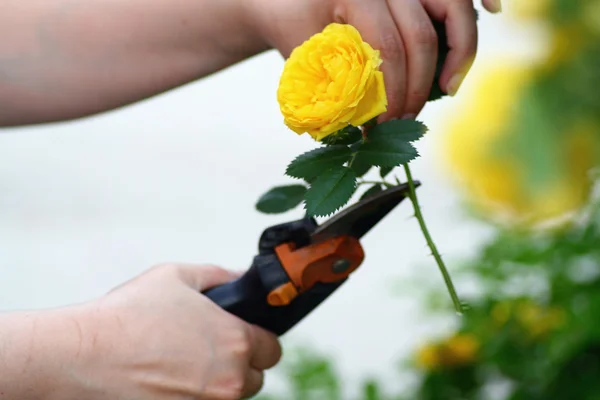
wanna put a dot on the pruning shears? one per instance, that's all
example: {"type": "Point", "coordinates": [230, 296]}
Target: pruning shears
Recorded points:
{"type": "Point", "coordinates": [300, 264]}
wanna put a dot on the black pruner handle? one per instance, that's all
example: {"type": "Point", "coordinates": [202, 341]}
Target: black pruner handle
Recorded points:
{"type": "Point", "coordinates": [246, 296]}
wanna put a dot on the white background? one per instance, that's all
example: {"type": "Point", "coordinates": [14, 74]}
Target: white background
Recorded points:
{"type": "Point", "coordinates": [89, 204]}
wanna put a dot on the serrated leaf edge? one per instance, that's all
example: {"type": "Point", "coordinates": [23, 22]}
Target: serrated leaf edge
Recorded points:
{"type": "Point", "coordinates": [339, 207]}
{"type": "Point", "coordinates": [308, 153]}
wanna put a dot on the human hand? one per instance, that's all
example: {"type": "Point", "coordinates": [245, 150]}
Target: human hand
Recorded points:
{"type": "Point", "coordinates": [156, 337]}
{"type": "Point", "coordinates": [401, 29]}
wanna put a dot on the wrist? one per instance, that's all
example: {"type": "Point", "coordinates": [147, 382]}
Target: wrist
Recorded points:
{"type": "Point", "coordinates": [44, 352]}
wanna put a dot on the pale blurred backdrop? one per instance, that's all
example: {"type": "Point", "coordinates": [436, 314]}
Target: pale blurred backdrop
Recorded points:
{"type": "Point", "coordinates": [89, 204]}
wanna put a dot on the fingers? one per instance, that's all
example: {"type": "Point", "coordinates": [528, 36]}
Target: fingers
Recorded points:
{"type": "Point", "coordinates": [493, 6]}
{"type": "Point", "coordinates": [254, 383]}
{"type": "Point", "coordinates": [420, 42]}
{"type": "Point", "coordinates": [377, 27]}
{"type": "Point", "coordinates": [266, 349]}
{"type": "Point", "coordinates": [202, 277]}
{"type": "Point", "coordinates": [461, 31]}
{"type": "Point", "coordinates": [265, 352]}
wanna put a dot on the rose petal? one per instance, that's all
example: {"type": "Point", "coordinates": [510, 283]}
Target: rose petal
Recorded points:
{"type": "Point", "coordinates": [373, 103]}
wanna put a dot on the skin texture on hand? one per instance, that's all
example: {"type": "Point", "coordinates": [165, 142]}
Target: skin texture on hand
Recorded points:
{"type": "Point", "coordinates": [67, 59]}
{"type": "Point", "coordinates": [64, 59]}
{"type": "Point", "coordinates": [155, 337]}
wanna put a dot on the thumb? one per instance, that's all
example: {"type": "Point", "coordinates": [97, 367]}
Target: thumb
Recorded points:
{"type": "Point", "coordinates": [202, 277]}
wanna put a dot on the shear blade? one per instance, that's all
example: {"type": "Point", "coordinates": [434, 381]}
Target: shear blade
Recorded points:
{"type": "Point", "coordinates": [361, 217]}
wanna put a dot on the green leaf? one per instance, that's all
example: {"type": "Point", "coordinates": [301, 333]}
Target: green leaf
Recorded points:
{"type": "Point", "coordinates": [281, 199]}
{"type": "Point", "coordinates": [348, 135]}
{"type": "Point", "coordinates": [360, 168]}
{"type": "Point", "coordinates": [388, 144]}
{"type": "Point", "coordinates": [371, 191]}
{"type": "Point", "coordinates": [383, 171]}
{"type": "Point", "coordinates": [312, 163]}
{"type": "Point", "coordinates": [386, 153]}
{"type": "Point", "coordinates": [405, 130]}
{"type": "Point", "coordinates": [330, 191]}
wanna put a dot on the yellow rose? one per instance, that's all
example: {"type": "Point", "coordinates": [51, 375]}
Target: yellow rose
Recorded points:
{"type": "Point", "coordinates": [331, 81]}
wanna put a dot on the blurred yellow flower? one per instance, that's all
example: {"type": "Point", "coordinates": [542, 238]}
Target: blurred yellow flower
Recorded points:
{"type": "Point", "coordinates": [462, 349]}
{"type": "Point", "coordinates": [458, 350]}
{"type": "Point", "coordinates": [531, 317]}
{"type": "Point", "coordinates": [494, 182]}
{"type": "Point", "coordinates": [330, 81]}
{"type": "Point", "coordinates": [529, 9]}
{"type": "Point", "coordinates": [538, 321]}
{"type": "Point", "coordinates": [428, 357]}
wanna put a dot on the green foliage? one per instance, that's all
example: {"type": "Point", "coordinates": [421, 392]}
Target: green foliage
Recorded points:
{"type": "Point", "coordinates": [360, 168]}
{"type": "Point", "coordinates": [330, 191]}
{"type": "Point", "coordinates": [388, 144]}
{"type": "Point", "coordinates": [309, 376]}
{"type": "Point", "coordinates": [312, 163]}
{"type": "Point", "coordinates": [281, 199]}
{"type": "Point", "coordinates": [332, 171]}
{"type": "Point", "coordinates": [386, 152]}
{"type": "Point", "coordinates": [401, 131]}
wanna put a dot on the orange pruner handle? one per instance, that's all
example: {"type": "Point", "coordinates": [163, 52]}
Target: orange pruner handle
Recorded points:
{"type": "Point", "coordinates": [289, 277]}
{"type": "Point", "coordinates": [325, 262]}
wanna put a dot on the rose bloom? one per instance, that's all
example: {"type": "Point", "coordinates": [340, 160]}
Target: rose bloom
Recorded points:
{"type": "Point", "coordinates": [331, 81]}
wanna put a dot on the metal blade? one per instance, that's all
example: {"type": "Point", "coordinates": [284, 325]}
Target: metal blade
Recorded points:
{"type": "Point", "coordinates": [359, 218]}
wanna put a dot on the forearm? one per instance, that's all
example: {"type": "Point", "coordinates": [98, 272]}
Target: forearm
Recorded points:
{"type": "Point", "coordinates": [64, 59]}
{"type": "Point", "coordinates": [38, 354]}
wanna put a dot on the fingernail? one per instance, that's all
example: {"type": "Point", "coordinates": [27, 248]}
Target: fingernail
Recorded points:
{"type": "Point", "coordinates": [454, 83]}
{"type": "Point", "coordinates": [409, 116]}
{"type": "Point", "coordinates": [496, 6]}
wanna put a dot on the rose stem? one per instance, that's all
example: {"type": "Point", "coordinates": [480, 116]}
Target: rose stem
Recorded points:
{"type": "Point", "coordinates": [434, 251]}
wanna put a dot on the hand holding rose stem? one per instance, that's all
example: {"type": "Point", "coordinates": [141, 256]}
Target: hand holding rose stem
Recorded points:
{"type": "Point", "coordinates": [331, 88]}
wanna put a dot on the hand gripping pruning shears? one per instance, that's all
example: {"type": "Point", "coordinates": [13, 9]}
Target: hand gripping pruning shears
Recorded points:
{"type": "Point", "coordinates": [300, 263]}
